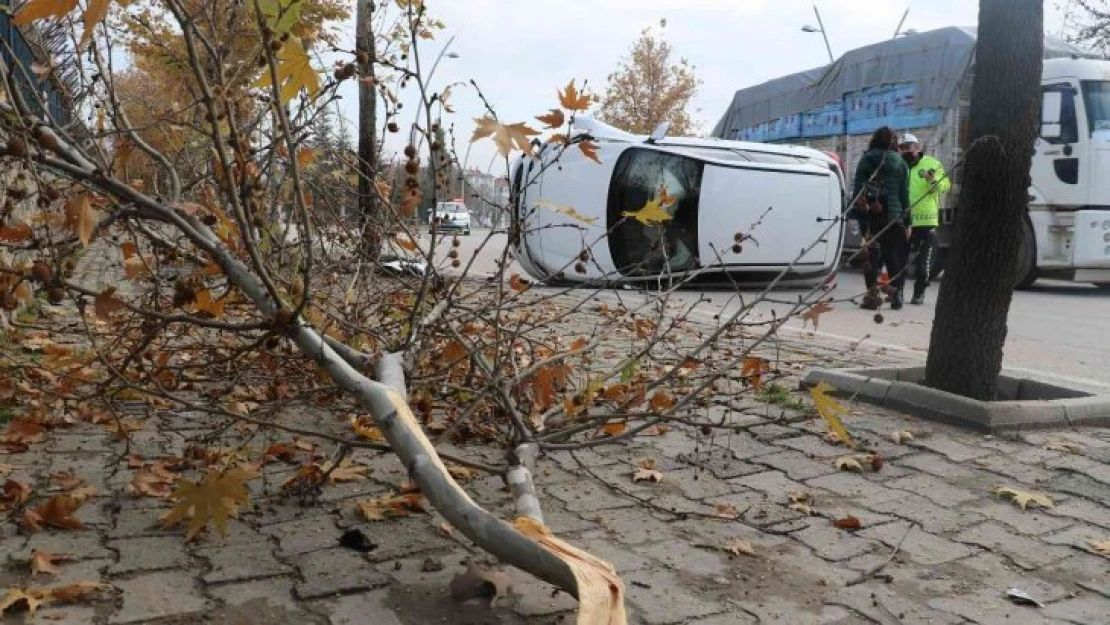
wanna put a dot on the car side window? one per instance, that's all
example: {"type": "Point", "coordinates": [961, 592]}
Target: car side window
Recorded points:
{"type": "Point", "coordinates": [1069, 124]}
{"type": "Point", "coordinates": [642, 176]}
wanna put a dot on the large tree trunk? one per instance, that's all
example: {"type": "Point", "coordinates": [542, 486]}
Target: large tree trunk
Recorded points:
{"type": "Point", "coordinates": [367, 125]}
{"type": "Point", "coordinates": [965, 350]}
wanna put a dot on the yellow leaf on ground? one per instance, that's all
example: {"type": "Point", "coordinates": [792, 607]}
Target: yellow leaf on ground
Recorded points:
{"type": "Point", "coordinates": [45, 562]}
{"type": "Point", "coordinates": [739, 548]}
{"type": "Point", "coordinates": [17, 600]}
{"type": "Point", "coordinates": [848, 463]}
{"type": "Point", "coordinates": [81, 217]}
{"type": "Point", "coordinates": [57, 513]}
{"type": "Point", "coordinates": [614, 428]}
{"type": "Point", "coordinates": [345, 472]}
{"type": "Point", "coordinates": [391, 506]}
{"type": "Point", "coordinates": [831, 410]}
{"type": "Point", "coordinates": [1100, 546]}
{"type": "Point", "coordinates": [40, 9]}
{"type": "Point", "coordinates": [600, 590]}
{"type": "Point", "coordinates": [217, 498]}
{"type": "Point", "coordinates": [365, 428]}
{"type": "Point", "coordinates": [460, 472]}
{"type": "Point", "coordinates": [70, 593]}
{"type": "Point", "coordinates": [901, 437]}
{"type": "Point", "coordinates": [505, 136]}
{"type": "Point", "coordinates": [647, 475]}
{"type": "Point", "coordinates": [1024, 498]}
{"type": "Point", "coordinates": [1065, 446]}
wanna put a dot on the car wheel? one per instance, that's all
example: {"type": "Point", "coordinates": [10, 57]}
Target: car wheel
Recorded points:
{"type": "Point", "coordinates": [1027, 268]}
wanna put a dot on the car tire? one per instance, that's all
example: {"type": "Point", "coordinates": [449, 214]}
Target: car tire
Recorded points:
{"type": "Point", "coordinates": [1027, 268]}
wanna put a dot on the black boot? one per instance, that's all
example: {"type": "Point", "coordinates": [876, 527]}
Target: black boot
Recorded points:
{"type": "Point", "coordinates": [918, 297]}
{"type": "Point", "coordinates": [896, 299]}
{"type": "Point", "coordinates": [872, 300]}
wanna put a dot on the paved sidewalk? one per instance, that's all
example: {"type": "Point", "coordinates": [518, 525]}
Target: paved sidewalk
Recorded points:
{"type": "Point", "coordinates": [957, 547]}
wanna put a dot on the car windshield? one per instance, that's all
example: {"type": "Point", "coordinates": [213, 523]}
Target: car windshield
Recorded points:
{"type": "Point", "coordinates": [1096, 96]}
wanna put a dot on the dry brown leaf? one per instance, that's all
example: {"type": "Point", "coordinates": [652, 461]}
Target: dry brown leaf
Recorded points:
{"type": "Point", "coordinates": [814, 314]}
{"type": "Point", "coordinates": [803, 508]}
{"type": "Point", "coordinates": [647, 475]}
{"type": "Point", "coordinates": [347, 471]}
{"type": "Point", "coordinates": [614, 428]}
{"type": "Point", "coordinates": [15, 493]}
{"type": "Point", "coordinates": [554, 119]}
{"type": "Point", "coordinates": [848, 463]}
{"type": "Point", "coordinates": [833, 438]}
{"type": "Point", "coordinates": [572, 100]}
{"type": "Point", "coordinates": [505, 136]}
{"type": "Point", "coordinates": [22, 433]}
{"type": "Point", "coordinates": [43, 562]}
{"type": "Point", "coordinates": [106, 303]}
{"type": "Point", "coordinates": [727, 511]}
{"type": "Point", "coordinates": [65, 481]}
{"type": "Point", "coordinates": [753, 371]}
{"type": "Point", "coordinates": [391, 506]}
{"type": "Point", "coordinates": [81, 217]}
{"type": "Point", "coordinates": [1024, 498]}
{"type": "Point", "coordinates": [365, 428]}
{"type": "Point", "coordinates": [1065, 446]}
{"type": "Point", "coordinates": [901, 437]}
{"type": "Point", "coordinates": [155, 481]}
{"type": "Point", "coordinates": [16, 600]}
{"type": "Point", "coordinates": [460, 472]}
{"type": "Point", "coordinates": [518, 284]}
{"type": "Point", "coordinates": [16, 233]}
{"type": "Point", "coordinates": [661, 401]}
{"type": "Point", "coordinates": [280, 451]}
{"type": "Point", "coordinates": [70, 593]}
{"type": "Point", "coordinates": [216, 498]}
{"type": "Point", "coordinates": [739, 548]}
{"type": "Point", "coordinates": [848, 523]}
{"type": "Point", "coordinates": [57, 512]}
{"type": "Point", "coordinates": [589, 150]}
{"type": "Point", "coordinates": [1100, 546]}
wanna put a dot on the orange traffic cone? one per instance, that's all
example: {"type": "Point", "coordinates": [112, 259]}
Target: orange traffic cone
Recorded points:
{"type": "Point", "coordinates": [884, 281]}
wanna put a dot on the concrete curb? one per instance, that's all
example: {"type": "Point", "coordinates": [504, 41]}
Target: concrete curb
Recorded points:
{"type": "Point", "coordinates": [1026, 403]}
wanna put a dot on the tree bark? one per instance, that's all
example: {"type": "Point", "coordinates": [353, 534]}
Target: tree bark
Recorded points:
{"type": "Point", "coordinates": [969, 330]}
{"type": "Point", "coordinates": [367, 124]}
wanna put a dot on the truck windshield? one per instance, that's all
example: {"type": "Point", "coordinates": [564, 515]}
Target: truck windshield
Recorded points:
{"type": "Point", "coordinates": [1096, 96]}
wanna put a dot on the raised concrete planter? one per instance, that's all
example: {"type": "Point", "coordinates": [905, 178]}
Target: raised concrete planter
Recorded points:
{"type": "Point", "coordinates": [1024, 403]}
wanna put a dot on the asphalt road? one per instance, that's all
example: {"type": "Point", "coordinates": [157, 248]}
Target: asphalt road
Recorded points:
{"type": "Point", "coordinates": [1056, 329]}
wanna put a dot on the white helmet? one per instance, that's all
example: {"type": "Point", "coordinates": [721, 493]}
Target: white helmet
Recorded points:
{"type": "Point", "coordinates": [909, 138]}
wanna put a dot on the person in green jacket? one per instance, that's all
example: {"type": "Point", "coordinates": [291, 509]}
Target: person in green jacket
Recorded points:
{"type": "Point", "coordinates": [928, 181]}
{"type": "Point", "coordinates": [883, 197]}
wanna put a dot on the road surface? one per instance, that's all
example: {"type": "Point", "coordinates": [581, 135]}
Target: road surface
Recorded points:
{"type": "Point", "coordinates": [1056, 329]}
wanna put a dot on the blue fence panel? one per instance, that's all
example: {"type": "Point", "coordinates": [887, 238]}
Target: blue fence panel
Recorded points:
{"type": "Point", "coordinates": [888, 105]}
{"type": "Point", "coordinates": [17, 53]}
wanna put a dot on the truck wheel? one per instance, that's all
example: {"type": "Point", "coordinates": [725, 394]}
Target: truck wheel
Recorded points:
{"type": "Point", "coordinates": [1027, 269]}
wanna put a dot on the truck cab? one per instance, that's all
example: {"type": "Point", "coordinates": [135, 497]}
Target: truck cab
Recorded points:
{"type": "Point", "coordinates": [1068, 231]}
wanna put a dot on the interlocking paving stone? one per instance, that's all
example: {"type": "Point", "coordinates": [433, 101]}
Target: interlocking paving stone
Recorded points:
{"type": "Point", "coordinates": [1025, 552]}
{"type": "Point", "coordinates": [157, 595]}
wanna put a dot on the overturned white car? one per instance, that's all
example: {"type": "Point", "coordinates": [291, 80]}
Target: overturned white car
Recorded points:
{"type": "Point", "coordinates": [712, 211]}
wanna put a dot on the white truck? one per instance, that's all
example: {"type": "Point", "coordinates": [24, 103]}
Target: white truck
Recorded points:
{"type": "Point", "coordinates": [922, 83]}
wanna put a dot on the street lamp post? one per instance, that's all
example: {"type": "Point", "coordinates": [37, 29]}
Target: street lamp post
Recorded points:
{"type": "Point", "coordinates": [820, 29]}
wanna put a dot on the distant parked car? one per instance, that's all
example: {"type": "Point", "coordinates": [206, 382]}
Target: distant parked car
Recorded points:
{"type": "Point", "coordinates": [450, 216]}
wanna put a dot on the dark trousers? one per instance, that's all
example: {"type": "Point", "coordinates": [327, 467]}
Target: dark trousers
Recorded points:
{"type": "Point", "coordinates": [891, 248]}
{"type": "Point", "coordinates": [923, 243]}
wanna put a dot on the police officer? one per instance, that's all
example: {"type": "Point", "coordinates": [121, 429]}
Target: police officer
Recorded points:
{"type": "Point", "coordinates": [928, 182]}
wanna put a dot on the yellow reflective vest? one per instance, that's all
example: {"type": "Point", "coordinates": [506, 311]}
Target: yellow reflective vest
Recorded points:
{"type": "Point", "coordinates": [925, 195]}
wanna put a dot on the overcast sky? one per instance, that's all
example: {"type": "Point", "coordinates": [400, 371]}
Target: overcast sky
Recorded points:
{"type": "Point", "coordinates": [520, 51]}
